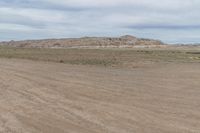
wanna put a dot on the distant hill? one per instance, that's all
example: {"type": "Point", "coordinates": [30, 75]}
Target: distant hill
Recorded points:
{"type": "Point", "coordinates": [123, 41]}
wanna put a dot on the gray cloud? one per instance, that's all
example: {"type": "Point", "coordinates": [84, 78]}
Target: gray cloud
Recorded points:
{"type": "Point", "coordinates": [164, 26]}
{"type": "Point", "coordinates": [27, 19]}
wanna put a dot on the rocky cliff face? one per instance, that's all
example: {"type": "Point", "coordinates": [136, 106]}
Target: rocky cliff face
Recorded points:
{"type": "Point", "coordinates": [126, 40]}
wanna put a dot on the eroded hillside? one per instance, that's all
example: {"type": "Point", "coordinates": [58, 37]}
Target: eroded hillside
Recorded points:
{"type": "Point", "coordinates": [123, 41]}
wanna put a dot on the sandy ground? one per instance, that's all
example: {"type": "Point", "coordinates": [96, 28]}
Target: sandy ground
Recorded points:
{"type": "Point", "coordinates": [39, 97]}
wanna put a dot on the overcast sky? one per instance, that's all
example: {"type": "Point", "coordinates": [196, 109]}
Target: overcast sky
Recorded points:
{"type": "Point", "coordinates": [172, 21]}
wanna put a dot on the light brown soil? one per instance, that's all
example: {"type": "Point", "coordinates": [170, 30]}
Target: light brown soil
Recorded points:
{"type": "Point", "coordinates": [38, 97]}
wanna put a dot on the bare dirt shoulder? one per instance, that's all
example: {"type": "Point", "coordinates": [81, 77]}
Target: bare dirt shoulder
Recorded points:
{"type": "Point", "coordinates": [54, 97]}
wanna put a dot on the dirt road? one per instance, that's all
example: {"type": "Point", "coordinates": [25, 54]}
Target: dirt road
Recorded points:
{"type": "Point", "coordinates": [39, 97]}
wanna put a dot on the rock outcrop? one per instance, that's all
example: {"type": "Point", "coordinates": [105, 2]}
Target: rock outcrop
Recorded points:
{"type": "Point", "coordinates": [123, 41]}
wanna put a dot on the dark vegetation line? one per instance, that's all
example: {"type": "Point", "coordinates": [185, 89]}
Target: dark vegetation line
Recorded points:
{"type": "Point", "coordinates": [100, 57]}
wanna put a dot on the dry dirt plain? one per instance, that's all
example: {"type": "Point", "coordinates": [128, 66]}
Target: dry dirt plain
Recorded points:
{"type": "Point", "coordinates": [50, 97]}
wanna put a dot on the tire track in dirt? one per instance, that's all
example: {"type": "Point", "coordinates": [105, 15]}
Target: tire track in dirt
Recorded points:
{"type": "Point", "coordinates": [52, 97]}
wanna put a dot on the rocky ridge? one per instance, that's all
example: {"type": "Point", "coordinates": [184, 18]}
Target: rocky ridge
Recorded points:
{"type": "Point", "coordinates": [123, 41]}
